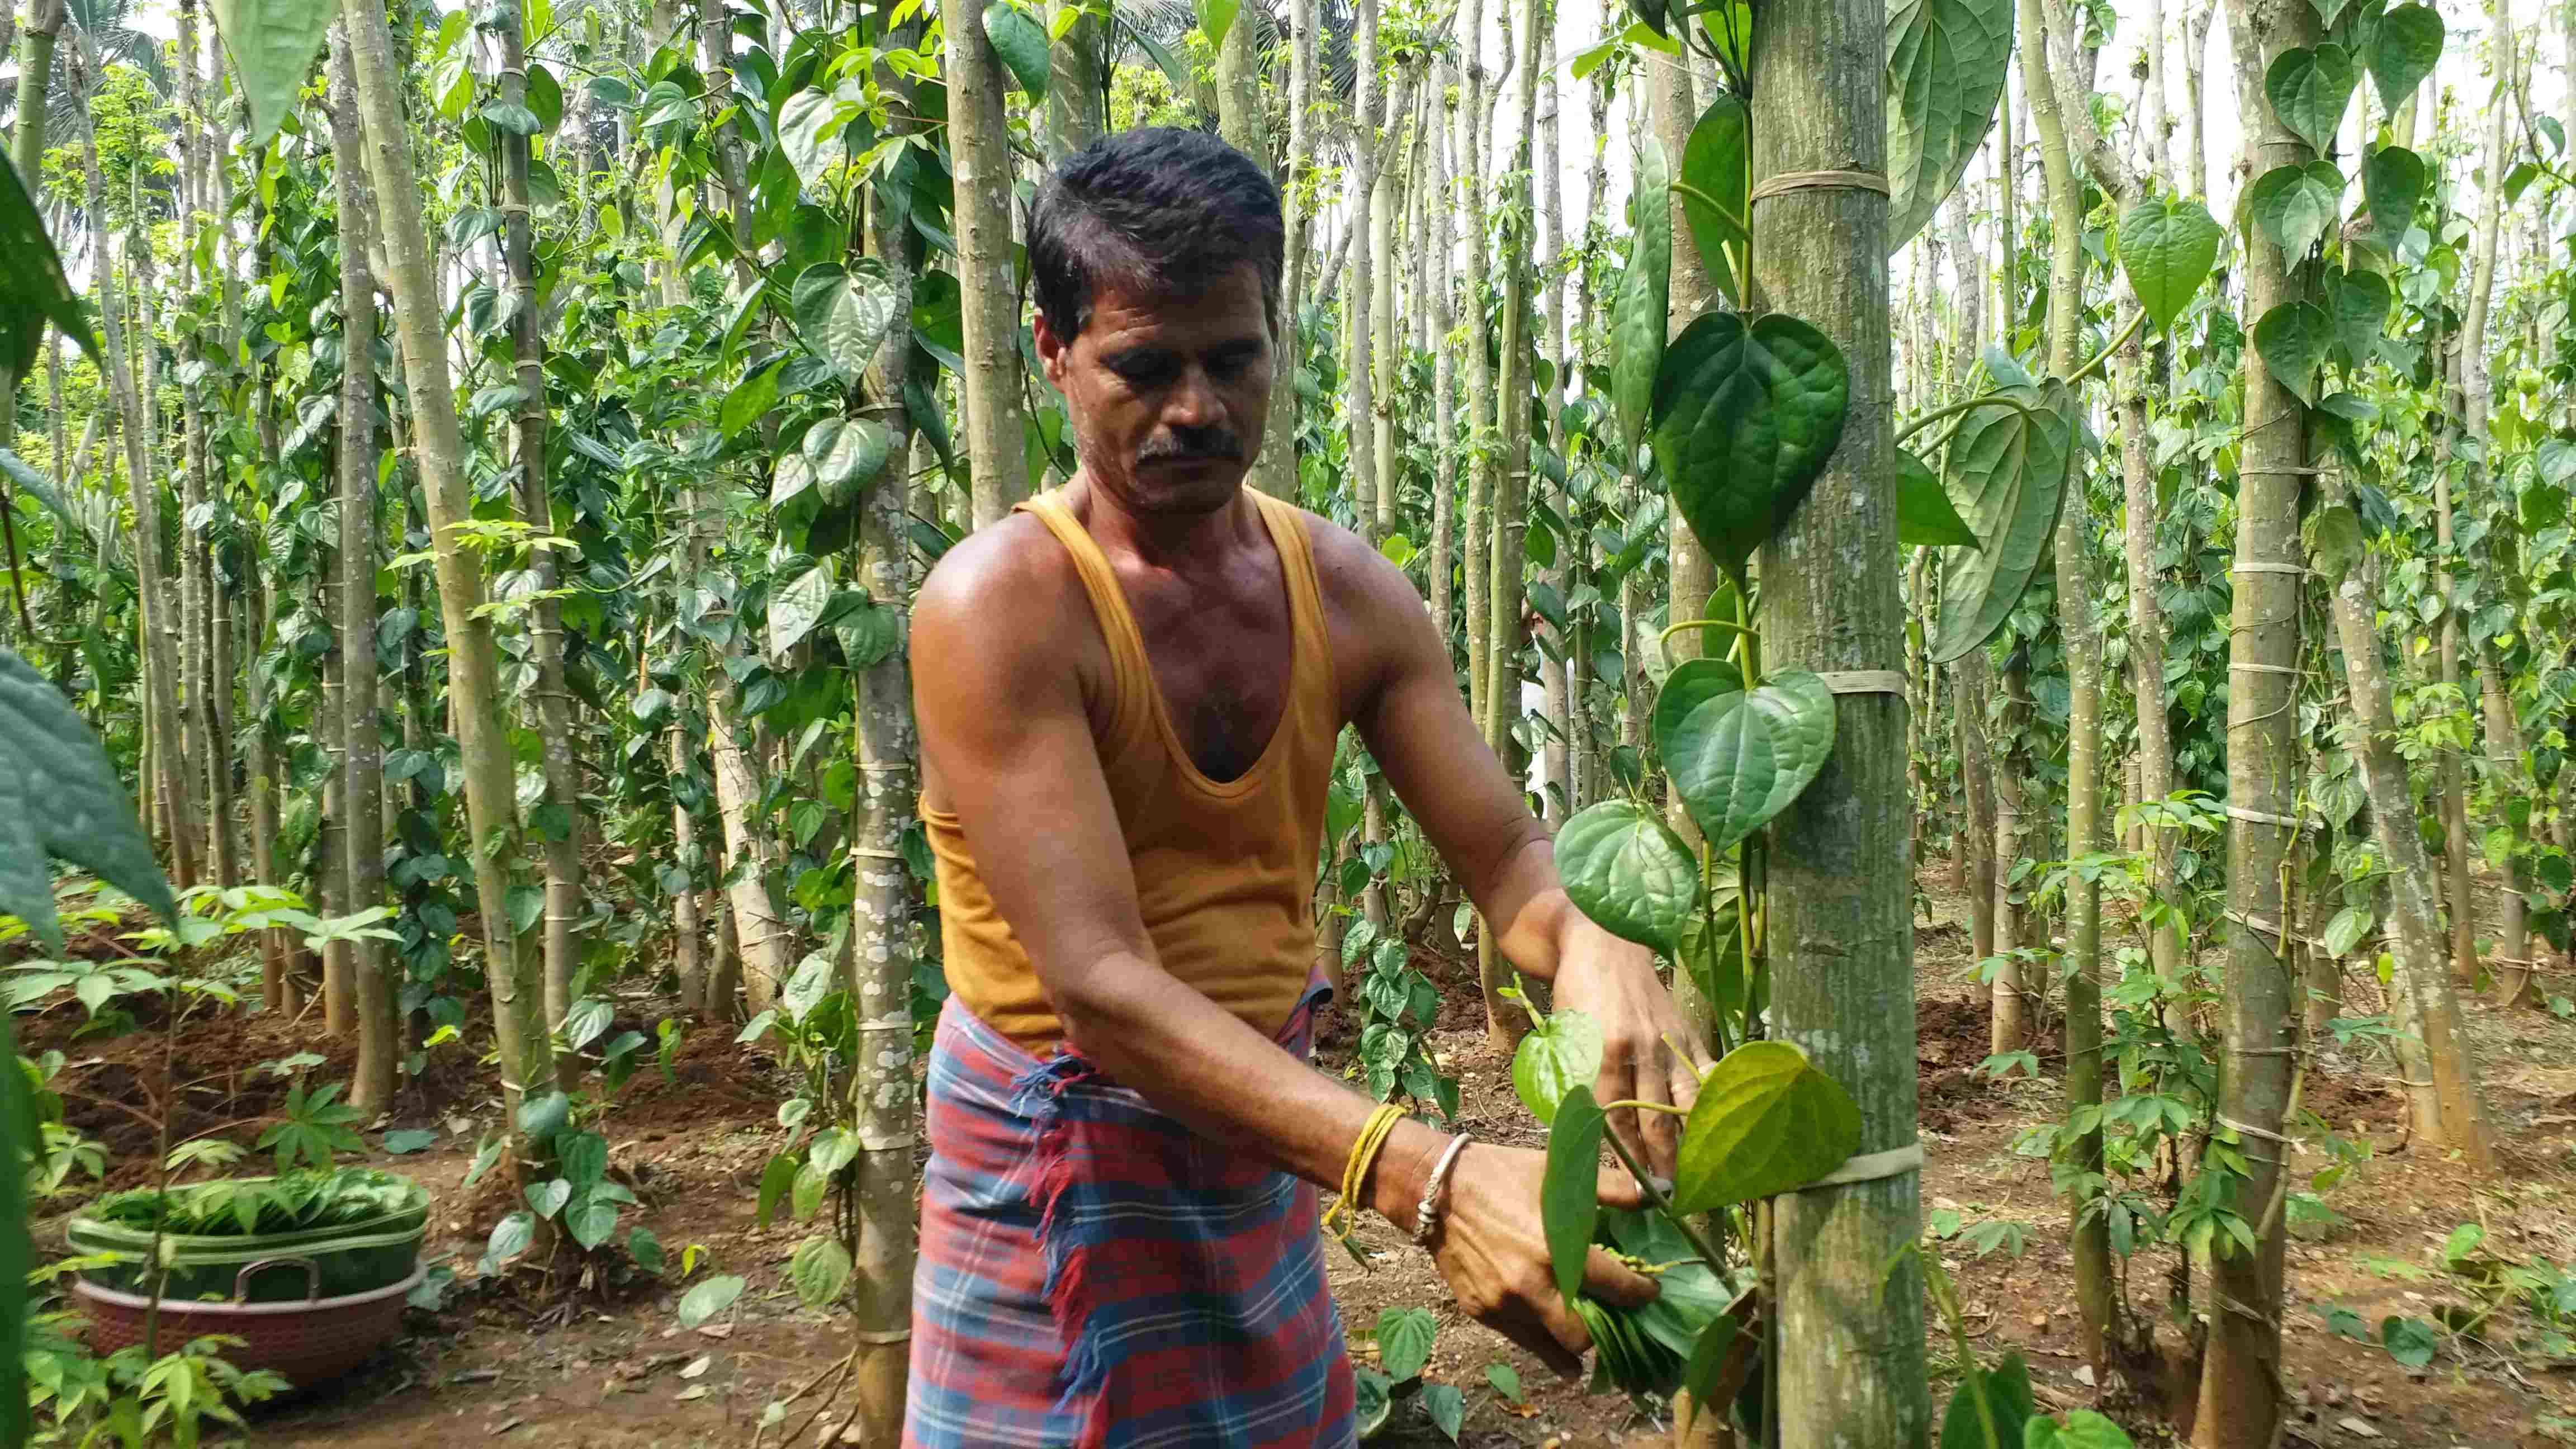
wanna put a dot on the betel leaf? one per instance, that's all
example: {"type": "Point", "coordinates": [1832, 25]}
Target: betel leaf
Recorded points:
{"type": "Point", "coordinates": [1638, 318]}
{"type": "Point", "coordinates": [60, 798]}
{"type": "Point", "coordinates": [708, 1299]}
{"type": "Point", "coordinates": [2083, 1429]}
{"type": "Point", "coordinates": [1765, 1122]}
{"type": "Point", "coordinates": [2335, 542]}
{"type": "Point", "coordinates": [820, 1271]}
{"type": "Point", "coordinates": [844, 314]}
{"type": "Point", "coordinates": [1569, 1197]}
{"type": "Point", "coordinates": [1216, 19]}
{"type": "Point", "coordinates": [1717, 169]}
{"type": "Point", "coordinates": [1946, 61]}
{"type": "Point", "coordinates": [1991, 1408]}
{"type": "Point", "coordinates": [810, 130]}
{"type": "Point", "coordinates": [1446, 1404]}
{"type": "Point", "coordinates": [2006, 470]}
{"type": "Point", "coordinates": [847, 453]}
{"type": "Point", "coordinates": [1738, 758]}
{"type": "Point", "coordinates": [1404, 1338]}
{"type": "Point", "coordinates": [797, 607]}
{"type": "Point", "coordinates": [2310, 88]}
{"type": "Point", "coordinates": [2297, 205]}
{"type": "Point", "coordinates": [2292, 339]}
{"type": "Point", "coordinates": [1557, 1056]}
{"type": "Point", "coordinates": [1744, 421]}
{"type": "Point", "coordinates": [1626, 869]}
{"type": "Point", "coordinates": [1022, 45]}
{"type": "Point", "coordinates": [2410, 1341]}
{"type": "Point", "coordinates": [2167, 246]}
{"type": "Point", "coordinates": [2361, 302]}
{"type": "Point", "coordinates": [273, 43]}
{"type": "Point", "coordinates": [1925, 517]}
{"type": "Point", "coordinates": [2404, 50]}
{"type": "Point", "coordinates": [2393, 181]}
{"type": "Point", "coordinates": [32, 289]}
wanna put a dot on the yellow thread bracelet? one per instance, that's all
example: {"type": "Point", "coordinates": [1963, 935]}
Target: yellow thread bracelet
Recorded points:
{"type": "Point", "coordinates": [1364, 1149]}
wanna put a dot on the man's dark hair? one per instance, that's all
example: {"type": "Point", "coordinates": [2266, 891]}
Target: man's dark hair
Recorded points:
{"type": "Point", "coordinates": [1154, 208]}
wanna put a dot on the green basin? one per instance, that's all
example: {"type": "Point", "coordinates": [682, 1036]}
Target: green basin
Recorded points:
{"type": "Point", "coordinates": [348, 1258]}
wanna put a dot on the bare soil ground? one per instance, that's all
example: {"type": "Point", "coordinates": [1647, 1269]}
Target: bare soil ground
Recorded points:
{"type": "Point", "coordinates": [605, 1364]}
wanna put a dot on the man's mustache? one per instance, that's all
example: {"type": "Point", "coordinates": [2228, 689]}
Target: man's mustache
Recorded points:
{"type": "Point", "coordinates": [1193, 446]}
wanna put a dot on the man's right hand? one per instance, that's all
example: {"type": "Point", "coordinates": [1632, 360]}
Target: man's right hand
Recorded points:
{"type": "Point", "coordinates": [1492, 1248]}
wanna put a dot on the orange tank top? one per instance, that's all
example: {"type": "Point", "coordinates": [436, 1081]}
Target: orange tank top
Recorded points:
{"type": "Point", "coordinates": [1225, 870]}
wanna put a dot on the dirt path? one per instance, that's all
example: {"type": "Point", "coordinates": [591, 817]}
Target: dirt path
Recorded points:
{"type": "Point", "coordinates": [608, 1366]}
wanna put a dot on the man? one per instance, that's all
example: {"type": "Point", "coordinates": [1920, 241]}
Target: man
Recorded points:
{"type": "Point", "coordinates": [1129, 694]}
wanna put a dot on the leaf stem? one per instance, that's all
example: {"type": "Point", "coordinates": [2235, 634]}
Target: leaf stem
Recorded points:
{"type": "Point", "coordinates": [2087, 370]}
{"type": "Point", "coordinates": [1711, 202]}
{"type": "Point", "coordinates": [1665, 1107]}
{"type": "Point", "coordinates": [1664, 1204]}
{"type": "Point", "coordinates": [1992, 399]}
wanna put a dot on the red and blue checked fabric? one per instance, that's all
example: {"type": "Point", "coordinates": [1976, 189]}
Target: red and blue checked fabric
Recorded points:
{"type": "Point", "coordinates": [1094, 1274]}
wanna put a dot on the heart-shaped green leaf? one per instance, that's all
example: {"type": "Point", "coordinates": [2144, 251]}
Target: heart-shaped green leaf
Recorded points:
{"type": "Point", "coordinates": [2393, 180]}
{"type": "Point", "coordinates": [1766, 1121]}
{"type": "Point", "coordinates": [820, 1270]}
{"type": "Point", "coordinates": [1216, 20]}
{"type": "Point", "coordinates": [2167, 245]}
{"type": "Point", "coordinates": [797, 607]}
{"type": "Point", "coordinates": [1627, 870]}
{"type": "Point", "coordinates": [2000, 1421]}
{"type": "Point", "coordinates": [2006, 470]}
{"type": "Point", "coordinates": [273, 43]}
{"type": "Point", "coordinates": [2361, 301]}
{"type": "Point", "coordinates": [2292, 339]}
{"type": "Point", "coordinates": [2309, 88]}
{"type": "Point", "coordinates": [2404, 50]}
{"type": "Point", "coordinates": [1744, 420]}
{"type": "Point", "coordinates": [847, 453]}
{"type": "Point", "coordinates": [60, 797]}
{"type": "Point", "coordinates": [708, 1298]}
{"type": "Point", "coordinates": [1637, 319]}
{"type": "Point", "coordinates": [810, 130]}
{"type": "Point", "coordinates": [1557, 1056]}
{"type": "Point", "coordinates": [1569, 1197]}
{"type": "Point", "coordinates": [843, 315]}
{"type": "Point", "coordinates": [1716, 165]}
{"type": "Point", "coordinates": [2297, 205]}
{"type": "Point", "coordinates": [1946, 61]}
{"type": "Point", "coordinates": [548, 1197]}
{"type": "Point", "coordinates": [1737, 758]}
{"type": "Point", "coordinates": [1692, 683]}
{"type": "Point", "coordinates": [1022, 45]}
{"type": "Point", "coordinates": [1925, 517]}
{"type": "Point", "coordinates": [1404, 1339]}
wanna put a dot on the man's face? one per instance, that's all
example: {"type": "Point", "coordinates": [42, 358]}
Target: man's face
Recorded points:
{"type": "Point", "coordinates": [1168, 394]}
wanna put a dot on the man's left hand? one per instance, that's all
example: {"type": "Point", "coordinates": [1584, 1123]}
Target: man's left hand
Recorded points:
{"type": "Point", "coordinates": [1615, 983]}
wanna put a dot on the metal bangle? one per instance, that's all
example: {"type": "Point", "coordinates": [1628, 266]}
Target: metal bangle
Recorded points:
{"type": "Point", "coordinates": [1426, 1213]}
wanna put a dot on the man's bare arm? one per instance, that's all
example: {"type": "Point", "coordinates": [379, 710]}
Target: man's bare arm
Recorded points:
{"type": "Point", "coordinates": [1419, 732]}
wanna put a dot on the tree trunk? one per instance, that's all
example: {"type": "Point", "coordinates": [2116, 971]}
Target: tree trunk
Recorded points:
{"type": "Point", "coordinates": [2053, 103]}
{"type": "Point", "coordinates": [1075, 70]}
{"type": "Point", "coordinates": [980, 155]}
{"type": "Point", "coordinates": [1851, 1354]}
{"type": "Point", "coordinates": [881, 912]}
{"type": "Point", "coordinates": [557, 818]}
{"type": "Point", "coordinates": [363, 792]}
{"type": "Point", "coordinates": [2241, 1387]}
{"type": "Point", "coordinates": [27, 151]}
{"type": "Point", "coordinates": [1274, 471]}
{"type": "Point", "coordinates": [473, 683]}
{"type": "Point", "coordinates": [1438, 581]}
{"type": "Point", "coordinates": [2434, 1056]}
{"type": "Point", "coordinates": [2477, 382]}
{"type": "Point", "coordinates": [1971, 682]}
{"type": "Point", "coordinates": [1503, 1028]}
{"type": "Point", "coordinates": [160, 682]}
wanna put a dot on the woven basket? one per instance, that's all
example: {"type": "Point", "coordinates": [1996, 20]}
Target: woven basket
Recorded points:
{"type": "Point", "coordinates": [304, 1342]}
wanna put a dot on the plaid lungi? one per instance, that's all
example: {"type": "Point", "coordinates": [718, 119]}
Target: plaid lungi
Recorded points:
{"type": "Point", "coordinates": [1095, 1274]}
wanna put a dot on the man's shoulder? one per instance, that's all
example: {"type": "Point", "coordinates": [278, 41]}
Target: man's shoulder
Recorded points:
{"type": "Point", "coordinates": [1004, 583]}
{"type": "Point", "coordinates": [1355, 579]}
